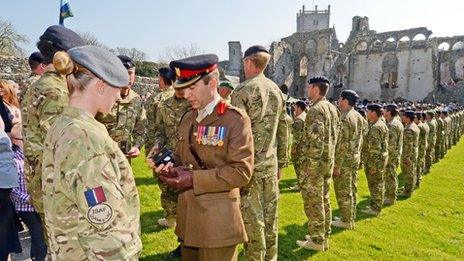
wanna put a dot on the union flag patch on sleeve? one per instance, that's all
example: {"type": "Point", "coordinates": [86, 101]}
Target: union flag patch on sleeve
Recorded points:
{"type": "Point", "coordinates": [95, 196]}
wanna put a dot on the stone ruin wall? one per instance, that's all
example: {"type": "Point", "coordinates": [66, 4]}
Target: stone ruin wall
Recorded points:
{"type": "Point", "coordinates": [17, 69]}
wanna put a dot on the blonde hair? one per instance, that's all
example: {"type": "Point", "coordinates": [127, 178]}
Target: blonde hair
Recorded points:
{"type": "Point", "coordinates": [9, 94]}
{"type": "Point", "coordinates": [77, 76]}
{"type": "Point", "coordinates": [260, 60]}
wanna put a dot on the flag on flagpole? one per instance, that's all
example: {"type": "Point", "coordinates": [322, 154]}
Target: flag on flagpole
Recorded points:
{"type": "Point", "coordinates": [65, 11]}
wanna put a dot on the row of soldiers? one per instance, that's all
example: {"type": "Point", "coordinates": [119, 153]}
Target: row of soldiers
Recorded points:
{"type": "Point", "coordinates": [328, 142]}
{"type": "Point", "coordinates": [383, 137]}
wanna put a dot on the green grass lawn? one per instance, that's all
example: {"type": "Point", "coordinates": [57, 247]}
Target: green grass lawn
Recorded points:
{"type": "Point", "coordinates": [430, 225]}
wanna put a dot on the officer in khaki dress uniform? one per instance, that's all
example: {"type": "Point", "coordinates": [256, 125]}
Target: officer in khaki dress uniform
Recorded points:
{"type": "Point", "coordinates": [90, 198]}
{"type": "Point", "coordinates": [215, 152]}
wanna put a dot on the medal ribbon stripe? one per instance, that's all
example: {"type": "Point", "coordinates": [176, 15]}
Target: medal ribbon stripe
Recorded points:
{"type": "Point", "coordinates": [95, 196]}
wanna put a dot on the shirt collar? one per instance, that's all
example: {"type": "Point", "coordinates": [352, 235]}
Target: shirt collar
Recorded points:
{"type": "Point", "coordinates": [209, 108]}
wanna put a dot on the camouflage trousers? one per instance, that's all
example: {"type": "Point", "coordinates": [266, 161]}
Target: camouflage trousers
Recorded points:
{"type": "Point", "coordinates": [346, 187]}
{"type": "Point", "coordinates": [429, 158]}
{"type": "Point", "coordinates": [297, 168]}
{"type": "Point", "coordinates": [168, 200]}
{"type": "Point", "coordinates": [315, 191]}
{"type": "Point", "coordinates": [439, 150]}
{"type": "Point", "coordinates": [408, 170]}
{"type": "Point", "coordinates": [391, 182]}
{"type": "Point", "coordinates": [259, 210]}
{"type": "Point", "coordinates": [420, 169]}
{"type": "Point", "coordinates": [375, 174]}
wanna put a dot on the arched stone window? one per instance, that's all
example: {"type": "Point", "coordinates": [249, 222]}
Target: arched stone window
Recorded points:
{"type": "Point", "coordinates": [444, 46]}
{"type": "Point", "coordinates": [304, 66]}
{"type": "Point", "coordinates": [458, 45]}
{"type": "Point", "coordinates": [419, 37]}
{"type": "Point", "coordinates": [389, 78]}
{"type": "Point", "coordinates": [361, 46]}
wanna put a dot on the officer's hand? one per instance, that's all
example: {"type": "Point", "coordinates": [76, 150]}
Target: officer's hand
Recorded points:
{"type": "Point", "coordinates": [133, 152]}
{"type": "Point", "coordinates": [155, 149]}
{"type": "Point", "coordinates": [163, 169]}
{"type": "Point", "coordinates": [279, 174]}
{"type": "Point", "coordinates": [183, 179]}
{"type": "Point", "coordinates": [336, 172]}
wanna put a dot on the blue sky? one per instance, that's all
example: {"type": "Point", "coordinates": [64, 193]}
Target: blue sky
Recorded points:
{"type": "Point", "coordinates": [153, 26]}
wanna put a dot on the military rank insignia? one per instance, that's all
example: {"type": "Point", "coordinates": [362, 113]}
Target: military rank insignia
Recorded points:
{"type": "Point", "coordinates": [99, 212]}
{"type": "Point", "coordinates": [210, 135]}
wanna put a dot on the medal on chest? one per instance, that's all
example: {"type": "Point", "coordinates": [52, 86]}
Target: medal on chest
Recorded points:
{"type": "Point", "coordinates": [210, 135]}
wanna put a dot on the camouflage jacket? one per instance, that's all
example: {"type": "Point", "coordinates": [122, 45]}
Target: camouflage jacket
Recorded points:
{"type": "Point", "coordinates": [395, 140]}
{"type": "Point", "coordinates": [168, 117]}
{"type": "Point", "coordinates": [375, 147]}
{"type": "Point", "coordinates": [91, 201]}
{"type": "Point", "coordinates": [440, 131]}
{"type": "Point", "coordinates": [348, 149]}
{"type": "Point", "coordinates": [432, 138]}
{"type": "Point", "coordinates": [151, 106]}
{"type": "Point", "coordinates": [43, 102]}
{"type": "Point", "coordinates": [126, 121]}
{"type": "Point", "coordinates": [423, 138]}
{"type": "Point", "coordinates": [410, 145]}
{"type": "Point", "coordinates": [28, 83]}
{"type": "Point", "coordinates": [298, 133]}
{"type": "Point", "coordinates": [321, 134]}
{"type": "Point", "coordinates": [264, 103]}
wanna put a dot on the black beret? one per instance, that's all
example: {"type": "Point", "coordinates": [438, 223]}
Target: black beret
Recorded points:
{"type": "Point", "coordinates": [62, 37]}
{"type": "Point", "coordinates": [227, 84]}
{"type": "Point", "coordinates": [410, 114]}
{"type": "Point", "coordinates": [349, 95]}
{"type": "Point", "coordinates": [37, 57]}
{"type": "Point", "coordinates": [126, 61]}
{"type": "Point", "coordinates": [301, 104]}
{"type": "Point", "coordinates": [445, 112]}
{"type": "Point", "coordinates": [318, 80]}
{"type": "Point", "coordinates": [374, 107]}
{"type": "Point", "coordinates": [361, 111]}
{"type": "Point", "coordinates": [254, 49]}
{"type": "Point", "coordinates": [191, 69]}
{"type": "Point", "coordinates": [167, 73]}
{"type": "Point", "coordinates": [105, 65]}
{"type": "Point", "coordinates": [391, 107]}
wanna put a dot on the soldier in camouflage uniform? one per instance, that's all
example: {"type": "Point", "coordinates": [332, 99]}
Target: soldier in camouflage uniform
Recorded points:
{"type": "Point", "coordinates": [423, 144]}
{"type": "Point", "coordinates": [347, 158]}
{"type": "Point", "coordinates": [321, 133]}
{"type": "Point", "coordinates": [439, 153]}
{"type": "Point", "coordinates": [395, 146]}
{"type": "Point", "coordinates": [298, 134]}
{"type": "Point", "coordinates": [410, 153]}
{"type": "Point", "coordinates": [42, 103]}
{"type": "Point", "coordinates": [153, 102]}
{"type": "Point", "coordinates": [90, 198]}
{"type": "Point", "coordinates": [37, 64]}
{"type": "Point", "coordinates": [126, 121]}
{"type": "Point", "coordinates": [163, 133]}
{"type": "Point", "coordinates": [447, 130]}
{"type": "Point", "coordinates": [375, 149]}
{"type": "Point", "coordinates": [430, 154]}
{"type": "Point", "coordinates": [264, 103]}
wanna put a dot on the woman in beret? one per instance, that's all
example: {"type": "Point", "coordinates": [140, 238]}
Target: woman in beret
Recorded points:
{"type": "Point", "coordinates": [90, 199]}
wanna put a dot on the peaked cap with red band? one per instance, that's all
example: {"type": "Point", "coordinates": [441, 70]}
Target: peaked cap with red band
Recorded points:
{"type": "Point", "coordinates": [190, 70]}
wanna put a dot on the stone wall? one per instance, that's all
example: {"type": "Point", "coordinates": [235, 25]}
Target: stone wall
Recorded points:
{"type": "Point", "coordinates": [14, 68]}
{"type": "Point", "coordinates": [414, 75]}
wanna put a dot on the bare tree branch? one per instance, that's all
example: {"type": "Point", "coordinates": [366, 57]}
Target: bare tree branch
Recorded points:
{"type": "Point", "coordinates": [10, 39]}
{"type": "Point", "coordinates": [133, 53]}
{"type": "Point", "coordinates": [179, 52]}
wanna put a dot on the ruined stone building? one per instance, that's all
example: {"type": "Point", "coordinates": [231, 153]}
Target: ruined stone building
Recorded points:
{"type": "Point", "coordinates": [407, 64]}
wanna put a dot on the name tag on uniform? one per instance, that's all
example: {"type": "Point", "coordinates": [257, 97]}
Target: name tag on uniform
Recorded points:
{"type": "Point", "coordinates": [210, 135]}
